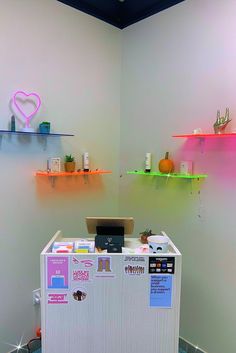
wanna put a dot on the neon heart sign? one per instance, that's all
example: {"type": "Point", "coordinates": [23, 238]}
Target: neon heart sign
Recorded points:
{"type": "Point", "coordinates": [27, 105]}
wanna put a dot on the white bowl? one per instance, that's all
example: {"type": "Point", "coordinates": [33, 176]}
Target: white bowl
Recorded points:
{"type": "Point", "coordinates": [158, 244]}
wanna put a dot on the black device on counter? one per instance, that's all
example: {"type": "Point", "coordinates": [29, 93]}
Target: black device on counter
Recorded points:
{"type": "Point", "coordinates": [110, 238]}
{"type": "Point", "coordinates": [110, 231]}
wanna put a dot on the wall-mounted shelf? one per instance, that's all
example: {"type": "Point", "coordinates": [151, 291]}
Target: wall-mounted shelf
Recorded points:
{"type": "Point", "coordinates": [62, 174]}
{"type": "Point", "coordinates": [53, 176]}
{"type": "Point", "coordinates": [170, 175]}
{"type": "Point", "coordinates": [232, 134]}
{"type": "Point", "coordinates": [31, 133]}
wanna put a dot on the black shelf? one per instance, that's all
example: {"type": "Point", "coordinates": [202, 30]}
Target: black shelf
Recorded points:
{"type": "Point", "coordinates": [31, 133]}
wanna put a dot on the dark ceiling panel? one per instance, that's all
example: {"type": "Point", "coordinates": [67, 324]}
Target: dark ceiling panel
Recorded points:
{"type": "Point", "coordinates": [121, 13]}
{"type": "Point", "coordinates": [136, 10]}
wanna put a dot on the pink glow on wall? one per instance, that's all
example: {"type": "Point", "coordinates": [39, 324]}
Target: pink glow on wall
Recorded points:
{"type": "Point", "coordinates": [27, 105]}
{"type": "Point", "coordinates": [215, 157]}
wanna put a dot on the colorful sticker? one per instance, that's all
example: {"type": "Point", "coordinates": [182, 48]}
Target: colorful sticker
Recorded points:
{"type": "Point", "coordinates": [56, 298]}
{"type": "Point", "coordinates": [134, 270]}
{"type": "Point", "coordinates": [57, 272]}
{"type": "Point", "coordinates": [84, 262]}
{"type": "Point", "coordinates": [104, 267]}
{"type": "Point", "coordinates": [79, 294]}
{"type": "Point", "coordinates": [161, 291]}
{"type": "Point", "coordinates": [134, 258]}
{"type": "Point", "coordinates": [81, 275]}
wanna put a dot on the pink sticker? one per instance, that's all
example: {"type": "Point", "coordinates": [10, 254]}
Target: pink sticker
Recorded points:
{"type": "Point", "coordinates": [56, 298]}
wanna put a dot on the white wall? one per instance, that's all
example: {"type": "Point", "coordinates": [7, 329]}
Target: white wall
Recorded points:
{"type": "Point", "coordinates": [178, 68]}
{"type": "Point", "coordinates": [73, 61]}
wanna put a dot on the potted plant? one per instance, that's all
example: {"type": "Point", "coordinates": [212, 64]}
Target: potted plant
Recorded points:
{"type": "Point", "coordinates": [69, 163]}
{"type": "Point", "coordinates": [44, 127]}
{"type": "Point", "coordinates": [144, 235]}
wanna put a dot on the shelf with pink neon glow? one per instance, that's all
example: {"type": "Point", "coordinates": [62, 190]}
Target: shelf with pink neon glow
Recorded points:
{"type": "Point", "coordinates": [79, 173]}
{"type": "Point", "coordinates": [206, 135]}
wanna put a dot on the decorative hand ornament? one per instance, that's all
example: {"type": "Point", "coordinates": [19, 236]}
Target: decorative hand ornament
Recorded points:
{"type": "Point", "coordinates": [27, 105]}
{"type": "Point", "coordinates": [221, 122]}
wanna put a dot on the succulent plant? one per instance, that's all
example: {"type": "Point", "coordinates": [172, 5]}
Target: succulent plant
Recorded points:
{"type": "Point", "coordinates": [145, 234]}
{"type": "Point", "coordinates": [69, 158]}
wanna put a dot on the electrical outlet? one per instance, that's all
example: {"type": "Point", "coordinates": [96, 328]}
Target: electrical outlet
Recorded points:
{"type": "Point", "coordinates": [36, 296]}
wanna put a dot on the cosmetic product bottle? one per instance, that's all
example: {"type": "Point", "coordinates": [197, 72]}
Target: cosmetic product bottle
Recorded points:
{"type": "Point", "coordinates": [48, 166]}
{"type": "Point", "coordinates": [13, 123]}
{"type": "Point", "coordinates": [86, 162]}
{"type": "Point", "coordinates": [148, 162]}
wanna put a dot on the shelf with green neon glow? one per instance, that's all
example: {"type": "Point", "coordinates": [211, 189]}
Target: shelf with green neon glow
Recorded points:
{"type": "Point", "coordinates": [169, 175]}
{"type": "Point", "coordinates": [79, 173]}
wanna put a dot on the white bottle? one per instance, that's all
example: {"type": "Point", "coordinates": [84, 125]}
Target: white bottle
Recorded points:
{"type": "Point", "coordinates": [148, 162]}
{"type": "Point", "coordinates": [86, 162]}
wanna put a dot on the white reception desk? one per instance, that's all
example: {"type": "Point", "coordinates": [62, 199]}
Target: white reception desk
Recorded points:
{"type": "Point", "coordinates": [110, 303]}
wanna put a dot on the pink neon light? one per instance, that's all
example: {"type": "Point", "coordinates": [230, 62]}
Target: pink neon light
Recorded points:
{"type": "Point", "coordinates": [20, 95]}
{"type": "Point", "coordinates": [206, 135]}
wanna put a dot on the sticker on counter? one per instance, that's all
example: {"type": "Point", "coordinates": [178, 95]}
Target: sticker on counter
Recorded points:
{"type": "Point", "coordinates": [79, 294]}
{"type": "Point", "coordinates": [56, 298]}
{"type": "Point", "coordinates": [134, 270]}
{"type": "Point", "coordinates": [83, 262]}
{"type": "Point", "coordinates": [57, 272]}
{"type": "Point", "coordinates": [134, 258]}
{"type": "Point", "coordinates": [104, 267]}
{"type": "Point", "coordinates": [81, 275]}
{"type": "Point", "coordinates": [160, 265]}
{"type": "Point", "coordinates": [161, 291]}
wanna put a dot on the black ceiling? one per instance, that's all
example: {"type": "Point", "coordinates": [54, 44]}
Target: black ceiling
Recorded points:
{"type": "Point", "coordinates": [121, 13]}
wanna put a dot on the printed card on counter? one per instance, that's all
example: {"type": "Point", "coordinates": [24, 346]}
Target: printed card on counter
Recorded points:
{"type": "Point", "coordinates": [63, 247]}
{"type": "Point", "coordinates": [84, 245]}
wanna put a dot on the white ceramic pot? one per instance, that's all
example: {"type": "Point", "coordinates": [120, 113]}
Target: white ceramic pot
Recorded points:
{"type": "Point", "coordinates": [158, 244]}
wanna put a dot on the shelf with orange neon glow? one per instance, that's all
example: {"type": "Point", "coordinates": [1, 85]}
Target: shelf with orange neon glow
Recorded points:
{"type": "Point", "coordinates": [203, 135]}
{"type": "Point", "coordinates": [79, 173]}
{"type": "Point", "coordinates": [169, 175]}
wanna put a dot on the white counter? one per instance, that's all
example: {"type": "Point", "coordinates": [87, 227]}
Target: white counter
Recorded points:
{"type": "Point", "coordinates": [116, 302]}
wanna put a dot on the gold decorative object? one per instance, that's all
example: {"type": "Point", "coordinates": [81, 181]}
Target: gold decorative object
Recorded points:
{"type": "Point", "coordinates": [221, 122]}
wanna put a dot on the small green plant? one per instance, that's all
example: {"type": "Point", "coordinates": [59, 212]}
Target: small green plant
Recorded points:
{"type": "Point", "coordinates": [69, 158]}
{"type": "Point", "coordinates": [145, 234]}
{"type": "Point", "coordinates": [45, 122]}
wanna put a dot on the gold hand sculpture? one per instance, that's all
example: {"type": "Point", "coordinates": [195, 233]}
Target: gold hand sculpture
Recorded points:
{"type": "Point", "coordinates": [221, 122]}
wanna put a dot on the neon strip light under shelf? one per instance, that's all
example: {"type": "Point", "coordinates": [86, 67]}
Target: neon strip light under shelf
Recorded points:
{"type": "Point", "coordinates": [171, 175]}
{"type": "Point", "coordinates": [92, 172]}
{"type": "Point", "coordinates": [232, 134]}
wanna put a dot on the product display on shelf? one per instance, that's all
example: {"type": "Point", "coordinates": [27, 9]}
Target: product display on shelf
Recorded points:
{"type": "Point", "coordinates": [44, 127]}
{"type": "Point", "coordinates": [86, 162]}
{"type": "Point", "coordinates": [148, 162]}
{"type": "Point", "coordinates": [186, 167]}
{"type": "Point", "coordinates": [92, 301]}
{"type": "Point", "coordinates": [221, 122]}
{"type": "Point", "coordinates": [166, 165]}
{"type": "Point", "coordinates": [69, 163]}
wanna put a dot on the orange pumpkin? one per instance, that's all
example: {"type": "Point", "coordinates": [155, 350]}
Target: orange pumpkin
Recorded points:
{"type": "Point", "coordinates": [166, 165]}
